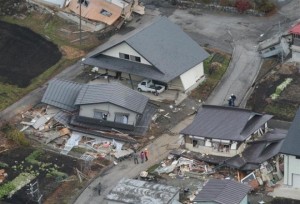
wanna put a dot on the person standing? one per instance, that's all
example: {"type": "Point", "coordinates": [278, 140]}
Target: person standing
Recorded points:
{"type": "Point", "coordinates": [135, 158]}
{"type": "Point", "coordinates": [146, 154]}
{"type": "Point", "coordinates": [99, 188]}
{"type": "Point", "coordinates": [230, 101]}
{"type": "Point", "coordinates": [142, 157]}
{"type": "Point", "coordinates": [233, 98]}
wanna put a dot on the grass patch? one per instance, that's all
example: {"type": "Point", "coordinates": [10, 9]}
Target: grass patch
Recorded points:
{"type": "Point", "coordinates": [3, 165]}
{"type": "Point", "coordinates": [284, 111]}
{"type": "Point", "coordinates": [212, 77]}
{"type": "Point", "coordinates": [280, 88]}
{"type": "Point", "coordinates": [14, 134]}
{"type": "Point", "coordinates": [32, 158]}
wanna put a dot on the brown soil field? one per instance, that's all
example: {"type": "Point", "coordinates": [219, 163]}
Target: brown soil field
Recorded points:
{"type": "Point", "coordinates": [272, 75]}
{"type": "Point", "coordinates": [24, 54]}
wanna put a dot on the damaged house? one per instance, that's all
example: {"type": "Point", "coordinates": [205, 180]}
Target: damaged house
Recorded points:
{"type": "Point", "coordinates": [142, 192]}
{"type": "Point", "coordinates": [159, 50]}
{"type": "Point", "coordinates": [277, 45]}
{"type": "Point", "coordinates": [108, 107]}
{"type": "Point", "coordinates": [224, 131]}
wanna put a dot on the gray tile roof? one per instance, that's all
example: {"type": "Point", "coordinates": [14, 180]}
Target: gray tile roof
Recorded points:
{"type": "Point", "coordinates": [222, 191]}
{"type": "Point", "coordinates": [164, 45]}
{"type": "Point", "coordinates": [259, 151]}
{"type": "Point", "coordinates": [114, 93]}
{"type": "Point", "coordinates": [225, 123]}
{"type": "Point", "coordinates": [126, 66]}
{"type": "Point", "coordinates": [292, 140]}
{"type": "Point", "coordinates": [62, 94]}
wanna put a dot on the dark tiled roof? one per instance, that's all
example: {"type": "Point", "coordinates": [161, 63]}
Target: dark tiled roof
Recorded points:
{"type": "Point", "coordinates": [225, 123]}
{"type": "Point", "coordinates": [164, 45]}
{"type": "Point", "coordinates": [62, 94]}
{"type": "Point", "coordinates": [292, 142]}
{"type": "Point", "coordinates": [259, 151]}
{"type": "Point", "coordinates": [114, 93]}
{"type": "Point", "coordinates": [222, 191]}
{"type": "Point", "coordinates": [126, 66]}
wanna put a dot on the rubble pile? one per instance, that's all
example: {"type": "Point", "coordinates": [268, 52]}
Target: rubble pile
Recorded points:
{"type": "Point", "coordinates": [48, 125]}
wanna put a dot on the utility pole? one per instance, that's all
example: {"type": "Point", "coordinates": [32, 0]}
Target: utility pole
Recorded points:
{"type": "Point", "coordinates": [80, 2]}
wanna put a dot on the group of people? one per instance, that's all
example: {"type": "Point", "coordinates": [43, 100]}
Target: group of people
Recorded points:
{"type": "Point", "coordinates": [143, 156]}
{"type": "Point", "coordinates": [231, 100]}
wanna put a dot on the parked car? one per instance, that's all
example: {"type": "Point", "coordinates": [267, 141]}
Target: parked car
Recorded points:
{"type": "Point", "coordinates": [148, 85]}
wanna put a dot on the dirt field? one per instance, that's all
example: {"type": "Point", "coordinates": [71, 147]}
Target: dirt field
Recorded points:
{"type": "Point", "coordinates": [54, 172]}
{"type": "Point", "coordinates": [24, 54]}
{"type": "Point", "coordinates": [270, 77]}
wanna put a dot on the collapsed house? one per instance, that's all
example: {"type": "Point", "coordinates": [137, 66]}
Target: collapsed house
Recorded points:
{"type": "Point", "coordinates": [277, 45]}
{"type": "Point", "coordinates": [136, 191]}
{"type": "Point", "coordinates": [95, 15]}
{"type": "Point", "coordinates": [99, 117]}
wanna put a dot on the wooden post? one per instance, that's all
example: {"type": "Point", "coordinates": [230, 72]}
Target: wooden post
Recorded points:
{"type": "Point", "coordinates": [131, 82]}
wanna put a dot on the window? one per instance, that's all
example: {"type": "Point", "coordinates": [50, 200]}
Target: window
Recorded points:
{"type": "Point", "coordinates": [105, 13]}
{"type": "Point", "coordinates": [84, 2]}
{"type": "Point", "coordinates": [129, 57]}
{"type": "Point", "coordinates": [135, 58]}
{"type": "Point", "coordinates": [124, 56]}
{"type": "Point", "coordinates": [121, 118]}
{"type": "Point", "coordinates": [99, 114]}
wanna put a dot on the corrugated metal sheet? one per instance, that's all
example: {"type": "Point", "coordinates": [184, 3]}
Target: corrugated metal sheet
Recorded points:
{"type": "Point", "coordinates": [222, 191]}
{"type": "Point", "coordinates": [225, 123]}
{"type": "Point", "coordinates": [114, 93]}
{"type": "Point", "coordinates": [292, 141]}
{"type": "Point", "coordinates": [62, 94]}
{"type": "Point", "coordinates": [164, 45]}
{"type": "Point", "coordinates": [142, 192]}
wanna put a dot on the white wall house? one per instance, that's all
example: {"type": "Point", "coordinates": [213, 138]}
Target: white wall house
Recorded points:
{"type": "Point", "coordinates": [160, 51]}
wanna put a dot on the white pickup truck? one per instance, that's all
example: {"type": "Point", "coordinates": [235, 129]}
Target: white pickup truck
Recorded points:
{"type": "Point", "coordinates": [148, 85]}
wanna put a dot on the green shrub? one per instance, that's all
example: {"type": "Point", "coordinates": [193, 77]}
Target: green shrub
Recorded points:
{"type": "Point", "coordinates": [5, 189]}
{"type": "Point", "coordinates": [32, 158]}
{"type": "Point", "coordinates": [3, 165]}
{"type": "Point", "coordinates": [14, 134]}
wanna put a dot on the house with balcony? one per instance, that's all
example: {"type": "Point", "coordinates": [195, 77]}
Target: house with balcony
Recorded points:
{"type": "Point", "coordinates": [224, 131]}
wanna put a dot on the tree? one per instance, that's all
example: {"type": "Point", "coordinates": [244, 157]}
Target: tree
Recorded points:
{"type": "Point", "coordinates": [242, 5]}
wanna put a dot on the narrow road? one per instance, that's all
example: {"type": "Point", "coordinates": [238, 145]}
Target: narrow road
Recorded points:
{"type": "Point", "coordinates": [158, 150]}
